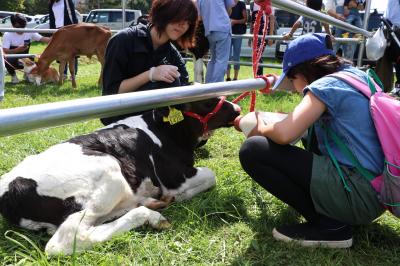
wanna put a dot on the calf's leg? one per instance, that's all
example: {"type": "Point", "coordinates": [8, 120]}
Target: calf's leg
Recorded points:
{"type": "Point", "coordinates": [61, 71]}
{"type": "Point", "coordinates": [71, 65]}
{"type": "Point", "coordinates": [79, 226]}
{"type": "Point", "coordinates": [203, 180]}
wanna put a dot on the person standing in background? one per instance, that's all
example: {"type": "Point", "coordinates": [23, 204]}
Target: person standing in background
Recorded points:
{"type": "Point", "coordinates": [217, 26]}
{"type": "Point", "coordinates": [335, 8]}
{"type": "Point", "coordinates": [309, 25]}
{"type": "Point", "coordinates": [353, 17]}
{"type": "Point", "coordinates": [62, 13]}
{"type": "Point", "coordinates": [238, 20]}
{"type": "Point", "coordinates": [384, 66]}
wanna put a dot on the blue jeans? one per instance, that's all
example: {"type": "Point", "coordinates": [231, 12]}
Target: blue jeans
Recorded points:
{"type": "Point", "coordinates": [235, 52]}
{"type": "Point", "coordinates": [353, 18]}
{"type": "Point", "coordinates": [76, 67]}
{"type": "Point", "coordinates": [220, 43]}
{"type": "Point", "coordinates": [339, 32]}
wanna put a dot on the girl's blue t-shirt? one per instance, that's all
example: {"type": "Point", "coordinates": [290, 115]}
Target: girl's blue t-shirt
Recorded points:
{"type": "Point", "coordinates": [348, 115]}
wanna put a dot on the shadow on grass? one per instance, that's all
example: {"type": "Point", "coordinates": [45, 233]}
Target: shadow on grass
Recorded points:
{"type": "Point", "coordinates": [201, 153]}
{"type": "Point", "coordinates": [373, 244]}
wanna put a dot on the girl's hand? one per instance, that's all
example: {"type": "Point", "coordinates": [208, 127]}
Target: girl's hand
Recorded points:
{"type": "Point", "coordinates": [259, 129]}
{"type": "Point", "coordinates": [166, 73]}
{"type": "Point", "coordinates": [287, 36]}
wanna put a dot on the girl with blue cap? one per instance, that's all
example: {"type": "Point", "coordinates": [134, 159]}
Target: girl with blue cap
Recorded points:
{"type": "Point", "coordinates": [307, 180]}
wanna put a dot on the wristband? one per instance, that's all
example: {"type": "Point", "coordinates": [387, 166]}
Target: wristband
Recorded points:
{"type": "Point", "coordinates": [151, 71]}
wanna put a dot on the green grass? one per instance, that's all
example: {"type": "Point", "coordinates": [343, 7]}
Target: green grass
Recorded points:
{"type": "Point", "coordinates": [228, 225]}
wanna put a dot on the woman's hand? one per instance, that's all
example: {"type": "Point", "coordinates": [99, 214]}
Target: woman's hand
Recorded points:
{"type": "Point", "coordinates": [166, 73]}
{"type": "Point", "coordinates": [20, 49]}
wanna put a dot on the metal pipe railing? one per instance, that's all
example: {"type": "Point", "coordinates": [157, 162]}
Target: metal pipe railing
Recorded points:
{"type": "Point", "coordinates": [365, 26]}
{"type": "Point", "coordinates": [19, 55]}
{"type": "Point", "coordinates": [280, 38]}
{"type": "Point", "coordinates": [22, 119]}
{"type": "Point", "coordinates": [308, 12]}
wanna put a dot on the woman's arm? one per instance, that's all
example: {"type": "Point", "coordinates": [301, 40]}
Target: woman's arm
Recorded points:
{"type": "Point", "coordinates": [295, 26]}
{"type": "Point", "coordinates": [240, 21]}
{"type": "Point", "coordinates": [303, 116]}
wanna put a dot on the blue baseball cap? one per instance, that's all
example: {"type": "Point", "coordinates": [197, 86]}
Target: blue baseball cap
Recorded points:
{"type": "Point", "coordinates": [300, 50]}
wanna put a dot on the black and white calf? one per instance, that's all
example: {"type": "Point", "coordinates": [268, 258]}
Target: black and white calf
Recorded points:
{"type": "Point", "coordinates": [98, 185]}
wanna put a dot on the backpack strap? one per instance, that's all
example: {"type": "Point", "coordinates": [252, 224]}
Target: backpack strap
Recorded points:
{"type": "Point", "coordinates": [368, 91]}
{"type": "Point", "coordinates": [353, 80]}
{"type": "Point", "coordinates": [347, 152]}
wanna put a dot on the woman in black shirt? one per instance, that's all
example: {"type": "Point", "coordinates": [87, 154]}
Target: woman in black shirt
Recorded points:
{"type": "Point", "coordinates": [142, 57]}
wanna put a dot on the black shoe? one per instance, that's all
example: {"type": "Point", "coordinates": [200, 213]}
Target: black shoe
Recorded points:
{"type": "Point", "coordinates": [309, 235]}
{"type": "Point", "coordinates": [228, 79]}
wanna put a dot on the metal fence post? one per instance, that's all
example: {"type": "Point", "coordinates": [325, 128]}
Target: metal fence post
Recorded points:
{"type": "Point", "coordinates": [2, 74]}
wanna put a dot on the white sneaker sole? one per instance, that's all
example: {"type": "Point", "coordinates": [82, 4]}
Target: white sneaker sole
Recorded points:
{"type": "Point", "coordinates": [314, 243]}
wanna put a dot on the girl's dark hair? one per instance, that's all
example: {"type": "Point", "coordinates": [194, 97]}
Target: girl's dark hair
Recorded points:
{"type": "Point", "coordinates": [320, 66]}
{"type": "Point", "coordinates": [18, 20]}
{"type": "Point", "coordinates": [164, 12]}
{"type": "Point", "coordinates": [314, 4]}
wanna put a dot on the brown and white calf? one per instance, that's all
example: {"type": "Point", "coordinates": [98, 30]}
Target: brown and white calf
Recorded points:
{"type": "Point", "coordinates": [95, 186]}
{"type": "Point", "coordinates": [71, 41]}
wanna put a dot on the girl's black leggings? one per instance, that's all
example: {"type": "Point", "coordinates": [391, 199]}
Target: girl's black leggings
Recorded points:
{"type": "Point", "coordinates": [283, 170]}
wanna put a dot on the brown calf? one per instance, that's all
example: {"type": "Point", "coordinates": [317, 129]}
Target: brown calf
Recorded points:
{"type": "Point", "coordinates": [71, 41]}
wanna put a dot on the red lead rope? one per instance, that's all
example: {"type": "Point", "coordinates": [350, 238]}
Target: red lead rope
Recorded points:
{"type": "Point", "coordinates": [265, 8]}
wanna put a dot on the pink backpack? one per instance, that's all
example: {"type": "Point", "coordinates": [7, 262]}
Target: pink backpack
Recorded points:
{"type": "Point", "coordinates": [385, 112]}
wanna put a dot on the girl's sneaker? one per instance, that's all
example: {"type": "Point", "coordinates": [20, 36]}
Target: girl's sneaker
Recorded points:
{"type": "Point", "coordinates": [309, 235]}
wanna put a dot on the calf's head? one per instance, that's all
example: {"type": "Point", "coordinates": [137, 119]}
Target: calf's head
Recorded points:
{"type": "Point", "coordinates": [211, 113]}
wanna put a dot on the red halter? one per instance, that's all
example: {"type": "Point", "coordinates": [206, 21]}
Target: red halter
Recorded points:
{"type": "Point", "coordinates": [204, 119]}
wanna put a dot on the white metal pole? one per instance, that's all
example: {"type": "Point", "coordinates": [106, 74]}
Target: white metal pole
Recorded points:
{"type": "Point", "coordinates": [299, 9]}
{"type": "Point", "coordinates": [27, 118]}
{"type": "Point", "coordinates": [2, 74]}
{"type": "Point", "coordinates": [123, 14]}
{"type": "Point", "coordinates": [365, 27]}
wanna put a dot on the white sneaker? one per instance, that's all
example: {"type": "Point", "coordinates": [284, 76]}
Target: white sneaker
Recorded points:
{"type": "Point", "coordinates": [14, 79]}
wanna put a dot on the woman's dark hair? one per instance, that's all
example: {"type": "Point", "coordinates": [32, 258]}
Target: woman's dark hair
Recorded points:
{"type": "Point", "coordinates": [320, 66]}
{"type": "Point", "coordinates": [164, 12]}
{"type": "Point", "coordinates": [18, 20]}
{"type": "Point", "coordinates": [314, 4]}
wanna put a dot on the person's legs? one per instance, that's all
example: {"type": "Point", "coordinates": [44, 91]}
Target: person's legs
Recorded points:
{"type": "Point", "coordinates": [76, 68]}
{"type": "Point", "coordinates": [384, 70]}
{"type": "Point", "coordinates": [219, 48]}
{"type": "Point", "coordinates": [236, 45]}
{"type": "Point", "coordinates": [336, 45]}
{"type": "Point", "coordinates": [228, 69]}
{"type": "Point", "coordinates": [267, 163]}
{"type": "Point", "coordinates": [397, 68]}
{"type": "Point", "coordinates": [12, 65]}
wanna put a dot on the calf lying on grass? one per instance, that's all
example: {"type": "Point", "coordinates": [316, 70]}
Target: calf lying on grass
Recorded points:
{"type": "Point", "coordinates": [95, 186]}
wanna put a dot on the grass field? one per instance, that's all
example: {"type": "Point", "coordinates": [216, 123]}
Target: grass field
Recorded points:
{"type": "Point", "coordinates": [228, 225]}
